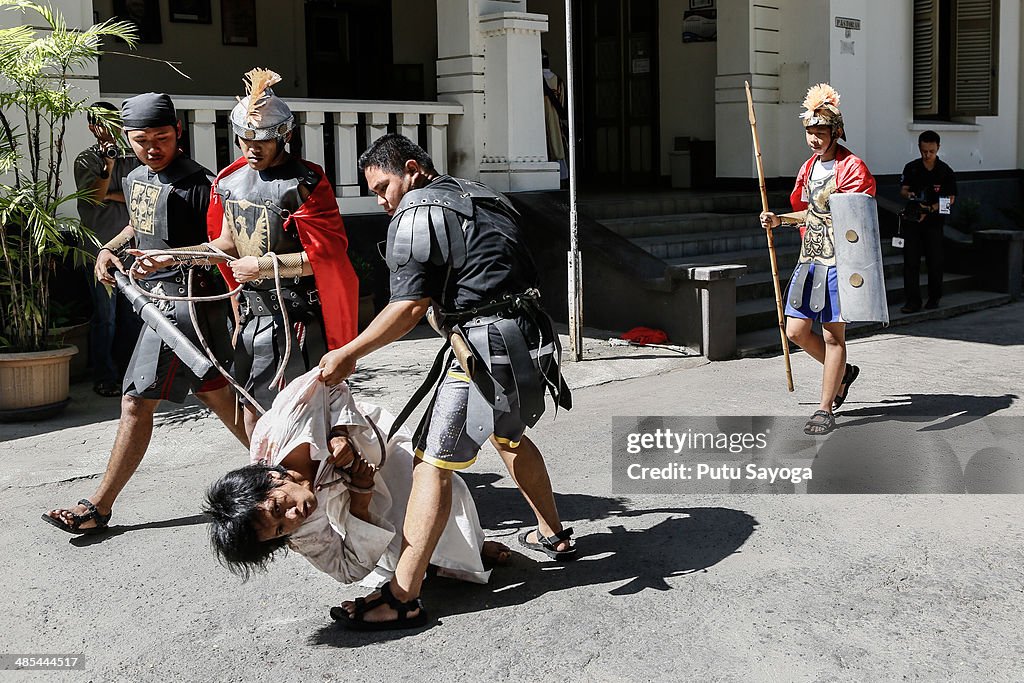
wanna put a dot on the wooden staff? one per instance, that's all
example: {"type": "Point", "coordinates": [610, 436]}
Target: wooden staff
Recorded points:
{"type": "Point", "coordinates": [771, 240]}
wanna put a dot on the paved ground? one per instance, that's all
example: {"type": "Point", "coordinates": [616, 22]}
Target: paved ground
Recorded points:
{"type": "Point", "coordinates": [712, 586]}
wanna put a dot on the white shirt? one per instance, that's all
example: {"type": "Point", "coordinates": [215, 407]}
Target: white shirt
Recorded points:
{"type": "Point", "coordinates": [821, 169]}
{"type": "Point", "coordinates": [334, 541]}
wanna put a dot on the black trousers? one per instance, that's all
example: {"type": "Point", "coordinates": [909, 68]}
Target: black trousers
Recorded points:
{"type": "Point", "coordinates": [922, 239]}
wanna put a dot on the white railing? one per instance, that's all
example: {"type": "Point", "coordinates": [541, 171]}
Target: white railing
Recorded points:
{"type": "Point", "coordinates": [203, 115]}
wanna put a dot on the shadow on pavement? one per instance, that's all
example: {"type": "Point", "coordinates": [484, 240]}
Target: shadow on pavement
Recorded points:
{"type": "Point", "coordinates": [1002, 329]}
{"type": "Point", "coordinates": [87, 408]}
{"type": "Point", "coordinates": [957, 409]}
{"type": "Point", "coordinates": [112, 531]}
{"type": "Point", "coordinates": [628, 560]}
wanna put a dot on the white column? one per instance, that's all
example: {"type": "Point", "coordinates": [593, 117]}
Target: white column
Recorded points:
{"type": "Point", "coordinates": [437, 140]}
{"type": "Point", "coordinates": [408, 125]}
{"type": "Point", "coordinates": [313, 136]}
{"type": "Point", "coordinates": [203, 134]}
{"type": "Point", "coordinates": [460, 78]}
{"type": "Point", "coordinates": [848, 73]}
{"type": "Point", "coordinates": [377, 123]}
{"type": "Point", "coordinates": [748, 50]}
{"type": "Point", "coordinates": [346, 154]}
{"type": "Point", "coordinates": [515, 147]}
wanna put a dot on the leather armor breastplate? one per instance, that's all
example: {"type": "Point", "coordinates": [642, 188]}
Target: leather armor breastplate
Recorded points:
{"type": "Point", "coordinates": [258, 204]}
{"type": "Point", "coordinates": [147, 200]}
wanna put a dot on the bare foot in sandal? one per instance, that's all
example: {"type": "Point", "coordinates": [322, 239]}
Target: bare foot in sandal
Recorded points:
{"type": "Point", "coordinates": [84, 518]}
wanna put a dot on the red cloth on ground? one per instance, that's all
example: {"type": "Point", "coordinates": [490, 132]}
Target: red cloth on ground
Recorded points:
{"type": "Point", "coordinates": [323, 237]}
{"type": "Point", "coordinates": [852, 175]}
{"type": "Point", "coordinates": [645, 335]}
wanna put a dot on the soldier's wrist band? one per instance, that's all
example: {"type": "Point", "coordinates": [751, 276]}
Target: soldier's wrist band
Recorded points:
{"type": "Point", "coordinates": [289, 265]}
{"type": "Point", "coordinates": [117, 244]}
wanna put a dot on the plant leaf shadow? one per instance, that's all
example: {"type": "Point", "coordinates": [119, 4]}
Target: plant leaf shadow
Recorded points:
{"type": "Point", "coordinates": [626, 559]}
{"type": "Point", "coordinates": [956, 409]}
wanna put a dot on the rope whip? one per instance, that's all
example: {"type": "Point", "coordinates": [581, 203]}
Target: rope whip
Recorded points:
{"type": "Point", "coordinates": [192, 300]}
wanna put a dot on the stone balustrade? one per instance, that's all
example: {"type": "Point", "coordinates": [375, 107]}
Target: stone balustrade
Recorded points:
{"type": "Point", "coordinates": [332, 133]}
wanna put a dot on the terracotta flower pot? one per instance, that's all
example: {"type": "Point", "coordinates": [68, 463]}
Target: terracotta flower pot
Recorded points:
{"type": "Point", "coordinates": [34, 385]}
{"type": "Point", "coordinates": [75, 335]}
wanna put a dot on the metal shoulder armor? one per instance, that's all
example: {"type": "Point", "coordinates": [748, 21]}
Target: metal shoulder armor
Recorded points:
{"type": "Point", "coordinates": [430, 225]}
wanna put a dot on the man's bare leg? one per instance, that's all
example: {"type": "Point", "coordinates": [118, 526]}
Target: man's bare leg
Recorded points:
{"type": "Point", "coordinates": [800, 331]}
{"type": "Point", "coordinates": [526, 466]}
{"type": "Point", "coordinates": [835, 363]}
{"type": "Point", "coordinates": [430, 503]}
{"type": "Point", "coordinates": [222, 403]}
{"type": "Point", "coordinates": [134, 432]}
{"type": "Point", "coordinates": [822, 349]}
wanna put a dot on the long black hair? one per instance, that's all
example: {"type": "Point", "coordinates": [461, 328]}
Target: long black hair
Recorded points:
{"type": "Point", "coordinates": [231, 503]}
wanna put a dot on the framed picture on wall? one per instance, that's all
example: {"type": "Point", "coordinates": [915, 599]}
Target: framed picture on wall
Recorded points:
{"type": "Point", "coordinates": [145, 14]}
{"type": "Point", "coordinates": [702, 4]}
{"type": "Point", "coordinates": [190, 11]}
{"type": "Point", "coordinates": [238, 22]}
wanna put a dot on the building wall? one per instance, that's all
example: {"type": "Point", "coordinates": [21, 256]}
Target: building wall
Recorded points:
{"type": "Point", "coordinates": [872, 70]}
{"type": "Point", "coordinates": [281, 46]}
{"type": "Point", "coordinates": [687, 82]}
{"type": "Point", "coordinates": [554, 40]}
{"type": "Point", "coordinates": [76, 13]}
{"type": "Point", "coordinates": [414, 37]}
{"type": "Point", "coordinates": [213, 68]}
{"type": "Point", "coordinates": [804, 60]}
{"type": "Point", "coordinates": [876, 84]}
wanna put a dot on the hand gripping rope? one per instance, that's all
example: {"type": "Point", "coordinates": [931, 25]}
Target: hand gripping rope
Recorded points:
{"type": "Point", "coordinates": [183, 256]}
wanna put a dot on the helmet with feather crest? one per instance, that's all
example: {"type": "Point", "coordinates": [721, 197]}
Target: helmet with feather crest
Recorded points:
{"type": "Point", "coordinates": [261, 115]}
{"type": "Point", "coordinates": [821, 108]}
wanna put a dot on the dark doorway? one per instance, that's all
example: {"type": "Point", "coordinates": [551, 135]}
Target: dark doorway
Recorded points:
{"type": "Point", "coordinates": [349, 49]}
{"type": "Point", "coordinates": [619, 65]}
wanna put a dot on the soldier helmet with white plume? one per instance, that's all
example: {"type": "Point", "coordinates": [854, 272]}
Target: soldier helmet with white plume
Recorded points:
{"type": "Point", "coordinates": [261, 115]}
{"type": "Point", "coordinates": [821, 108]}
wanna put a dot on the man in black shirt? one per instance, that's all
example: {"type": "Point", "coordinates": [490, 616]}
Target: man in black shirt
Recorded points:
{"type": "Point", "coordinates": [932, 184]}
{"type": "Point", "coordinates": [99, 170]}
{"type": "Point", "coordinates": [455, 246]}
{"type": "Point", "coordinates": [167, 198]}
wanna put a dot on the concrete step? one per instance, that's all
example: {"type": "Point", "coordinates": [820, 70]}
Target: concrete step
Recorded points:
{"type": "Point", "coordinates": [767, 341]}
{"type": "Point", "coordinates": [708, 246]}
{"type": "Point", "coordinates": [757, 259]}
{"type": "Point", "coordinates": [758, 284]}
{"type": "Point", "coordinates": [758, 314]}
{"type": "Point", "coordinates": [680, 224]}
{"type": "Point", "coordinates": [631, 205]}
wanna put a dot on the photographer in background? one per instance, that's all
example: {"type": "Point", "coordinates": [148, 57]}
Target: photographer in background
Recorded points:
{"type": "Point", "coordinates": [930, 184]}
{"type": "Point", "coordinates": [100, 169]}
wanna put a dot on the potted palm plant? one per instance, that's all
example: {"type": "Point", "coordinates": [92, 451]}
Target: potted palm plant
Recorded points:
{"type": "Point", "coordinates": [38, 227]}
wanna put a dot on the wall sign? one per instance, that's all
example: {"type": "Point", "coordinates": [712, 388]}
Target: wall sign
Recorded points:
{"type": "Point", "coordinates": [145, 14]}
{"type": "Point", "coordinates": [238, 22]}
{"type": "Point", "coordinates": [190, 11]}
{"type": "Point", "coordinates": [848, 24]}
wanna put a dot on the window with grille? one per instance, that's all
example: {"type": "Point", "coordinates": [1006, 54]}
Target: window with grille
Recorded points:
{"type": "Point", "coordinates": [956, 49]}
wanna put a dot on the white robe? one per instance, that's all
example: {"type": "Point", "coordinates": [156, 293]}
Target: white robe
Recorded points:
{"type": "Point", "coordinates": [334, 541]}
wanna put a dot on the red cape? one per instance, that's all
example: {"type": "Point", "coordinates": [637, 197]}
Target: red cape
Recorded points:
{"type": "Point", "coordinates": [852, 175]}
{"type": "Point", "coordinates": [323, 237]}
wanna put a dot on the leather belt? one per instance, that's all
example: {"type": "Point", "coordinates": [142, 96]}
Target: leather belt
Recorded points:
{"type": "Point", "coordinates": [263, 302]}
{"type": "Point", "coordinates": [510, 303]}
